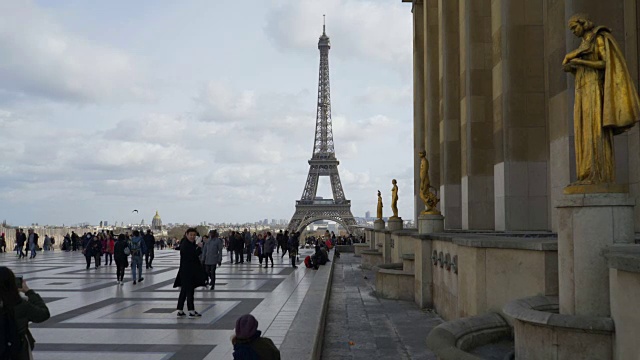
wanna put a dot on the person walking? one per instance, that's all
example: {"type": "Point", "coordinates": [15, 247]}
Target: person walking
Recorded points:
{"type": "Point", "coordinates": [120, 253]}
{"type": "Point", "coordinates": [150, 241]}
{"type": "Point", "coordinates": [46, 245]}
{"type": "Point", "coordinates": [285, 241]}
{"type": "Point", "coordinates": [95, 248]}
{"type": "Point", "coordinates": [33, 243]}
{"type": "Point", "coordinates": [248, 342]}
{"type": "Point", "coordinates": [108, 255]}
{"type": "Point", "coordinates": [246, 236]}
{"type": "Point", "coordinates": [269, 246]}
{"type": "Point", "coordinates": [137, 247]}
{"type": "Point", "coordinates": [293, 246]}
{"type": "Point", "coordinates": [86, 240]}
{"type": "Point", "coordinates": [279, 237]}
{"type": "Point", "coordinates": [239, 248]}
{"type": "Point", "coordinates": [190, 274]}
{"type": "Point", "coordinates": [33, 309]}
{"type": "Point", "coordinates": [212, 256]}
{"type": "Point", "coordinates": [3, 243]}
{"type": "Point", "coordinates": [260, 248]}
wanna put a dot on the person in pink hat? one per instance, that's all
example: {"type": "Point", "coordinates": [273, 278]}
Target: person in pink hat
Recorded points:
{"type": "Point", "coordinates": [248, 344]}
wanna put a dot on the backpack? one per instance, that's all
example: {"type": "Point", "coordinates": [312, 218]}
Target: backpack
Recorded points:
{"type": "Point", "coordinates": [307, 262]}
{"type": "Point", "coordinates": [10, 344]}
{"type": "Point", "coordinates": [135, 246]}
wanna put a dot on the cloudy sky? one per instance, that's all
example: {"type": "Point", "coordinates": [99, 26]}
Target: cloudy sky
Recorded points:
{"type": "Point", "coordinates": [203, 110]}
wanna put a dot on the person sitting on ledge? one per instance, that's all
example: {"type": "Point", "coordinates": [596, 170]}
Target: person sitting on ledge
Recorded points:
{"type": "Point", "coordinates": [248, 344]}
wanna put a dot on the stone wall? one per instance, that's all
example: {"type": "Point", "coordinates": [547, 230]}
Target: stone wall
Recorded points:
{"type": "Point", "coordinates": [474, 275]}
{"type": "Point", "coordinates": [57, 233]}
{"type": "Point", "coordinates": [624, 292]}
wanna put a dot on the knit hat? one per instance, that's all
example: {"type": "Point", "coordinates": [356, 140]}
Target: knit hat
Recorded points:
{"type": "Point", "coordinates": [246, 326]}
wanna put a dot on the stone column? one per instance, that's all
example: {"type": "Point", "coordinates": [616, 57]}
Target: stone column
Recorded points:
{"type": "Point", "coordinates": [632, 47]}
{"type": "Point", "coordinates": [418, 101]}
{"type": "Point", "coordinates": [432, 90]}
{"type": "Point", "coordinates": [476, 115]}
{"type": "Point", "coordinates": [450, 168]}
{"type": "Point", "coordinates": [520, 126]}
{"type": "Point", "coordinates": [559, 104]}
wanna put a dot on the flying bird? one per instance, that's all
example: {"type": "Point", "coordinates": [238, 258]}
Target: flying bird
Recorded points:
{"type": "Point", "coordinates": [135, 211]}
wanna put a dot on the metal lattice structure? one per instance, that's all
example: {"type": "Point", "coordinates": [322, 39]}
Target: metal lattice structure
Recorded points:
{"type": "Point", "coordinates": [323, 161]}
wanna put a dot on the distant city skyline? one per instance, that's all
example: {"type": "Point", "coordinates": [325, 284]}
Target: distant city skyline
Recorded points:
{"type": "Point", "coordinates": [210, 118]}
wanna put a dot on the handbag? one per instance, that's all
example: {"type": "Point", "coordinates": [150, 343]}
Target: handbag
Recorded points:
{"type": "Point", "coordinates": [255, 252]}
{"type": "Point", "coordinates": [127, 251]}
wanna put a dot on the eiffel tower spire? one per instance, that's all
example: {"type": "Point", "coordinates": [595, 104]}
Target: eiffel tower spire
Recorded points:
{"type": "Point", "coordinates": [323, 160]}
{"type": "Point", "coordinates": [323, 145]}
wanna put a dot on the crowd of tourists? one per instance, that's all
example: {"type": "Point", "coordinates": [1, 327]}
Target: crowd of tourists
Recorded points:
{"type": "Point", "coordinates": [262, 246]}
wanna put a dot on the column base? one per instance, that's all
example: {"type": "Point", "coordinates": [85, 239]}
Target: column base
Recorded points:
{"type": "Point", "coordinates": [587, 225]}
{"type": "Point", "coordinates": [395, 224]}
{"type": "Point", "coordinates": [429, 224]}
{"type": "Point", "coordinates": [378, 224]}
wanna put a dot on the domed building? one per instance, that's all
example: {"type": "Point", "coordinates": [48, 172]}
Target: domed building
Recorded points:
{"type": "Point", "coordinates": [156, 223]}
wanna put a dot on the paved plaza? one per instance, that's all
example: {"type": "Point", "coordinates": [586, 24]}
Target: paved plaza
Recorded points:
{"type": "Point", "coordinates": [92, 317]}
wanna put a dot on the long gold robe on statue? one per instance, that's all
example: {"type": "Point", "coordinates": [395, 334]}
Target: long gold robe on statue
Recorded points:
{"type": "Point", "coordinates": [606, 103]}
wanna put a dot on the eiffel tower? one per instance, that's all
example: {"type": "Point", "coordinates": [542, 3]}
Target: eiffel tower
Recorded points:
{"type": "Point", "coordinates": [323, 161]}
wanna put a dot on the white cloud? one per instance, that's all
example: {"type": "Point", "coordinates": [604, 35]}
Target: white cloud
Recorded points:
{"type": "Point", "coordinates": [386, 95]}
{"type": "Point", "coordinates": [41, 59]}
{"type": "Point", "coordinates": [220, 103]}
{"type": "Point", "coordinates": [365, 29]}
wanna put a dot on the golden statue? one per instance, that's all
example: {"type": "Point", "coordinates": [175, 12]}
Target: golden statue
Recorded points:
{"type": "Point", "coordinates": [394, 198]}
{"type": "Point", "coordinates": [606, 102]}
{"type": "Point", "coordinates": [379, 212]}
{"type": "Point", "coordinates": [430, 198]}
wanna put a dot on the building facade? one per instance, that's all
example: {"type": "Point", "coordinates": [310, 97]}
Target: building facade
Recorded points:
{"type": "Point", "coordinates": [493, 108]}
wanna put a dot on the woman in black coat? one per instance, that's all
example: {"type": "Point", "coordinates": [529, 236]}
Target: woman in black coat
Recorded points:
{"type": "Point", "coordinates": [190, 275]}
{"type": "Point", "coordinates": [121, 257]}
{"type": "Point", "coordinates": [22, 311]}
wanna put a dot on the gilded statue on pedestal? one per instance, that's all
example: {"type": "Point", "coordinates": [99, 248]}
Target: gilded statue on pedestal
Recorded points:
{"type": "Point", "coordinates": [394, 199]}
{"type": "Point", "coordinates": [429, 197]}
{"type": "Point", "coordinates": [606, 103]}
{"type": "Point", "coordinates": [379, 210]}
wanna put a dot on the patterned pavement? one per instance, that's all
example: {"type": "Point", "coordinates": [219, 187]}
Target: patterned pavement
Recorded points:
{"type": "Point", "coordinates": [92, 317]}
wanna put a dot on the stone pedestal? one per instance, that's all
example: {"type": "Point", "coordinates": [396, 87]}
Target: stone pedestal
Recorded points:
{"type": "Point", "coordinates": [429, 224]}
{"type": "Point", "coordinates": [395, 223]}
{"type": "Point", "coordinates": [587, 225]}
{"type": "Point", "coordinates": [378, 224]}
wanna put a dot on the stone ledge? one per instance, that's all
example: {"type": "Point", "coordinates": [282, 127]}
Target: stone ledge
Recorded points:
{"type": "Point", "coordinates": [395, 272]}
{"type": "Point", "coordinates": [345, 248]}
{"type": "Point", "coordinates": [306, 334]}
{"type": "Point", "coordinates": [393, 282]}
{"type": "Point", "coordinates": [388, 266]}
{"type": "Point", "coordinates": [624, 257]}
{"type": "Point", "coordinates": [410, 257]}
{"type": "Point", "coordinates": [543, 311]}
{"type": "Point", "coordinates": [371, 252]}
{"type": "Point", "coordinates": [359, 248]}
{"type": "Point", "coordinates": [452, 340]}
{"type": "Point", "coordinates": [509, 243]}
{"type": "Point", "coordinates": [591, 200]}
{"type": "Point", "coordinates": [407, 231]}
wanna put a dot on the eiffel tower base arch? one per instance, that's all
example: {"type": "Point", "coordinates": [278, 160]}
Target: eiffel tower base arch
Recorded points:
{"type": "Point", "coordinates": [308, 214]}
